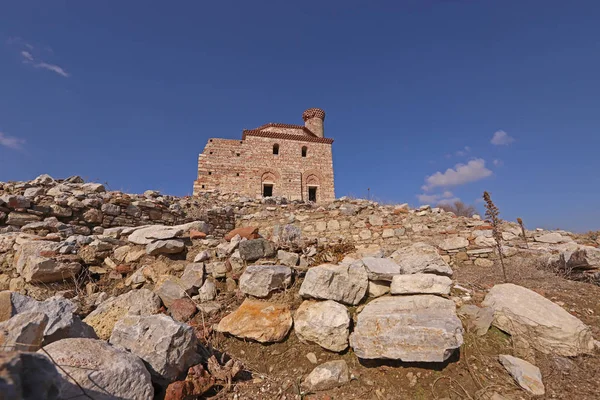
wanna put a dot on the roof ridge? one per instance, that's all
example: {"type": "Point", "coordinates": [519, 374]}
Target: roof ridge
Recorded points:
{"type": "Point", "coordinates": [289, 136]}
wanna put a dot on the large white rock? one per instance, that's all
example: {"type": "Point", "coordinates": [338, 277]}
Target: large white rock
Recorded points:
{"type": "Point", "coordinates": [192, 278]}
{"type": "Point", "coordinates": [325, 323]}
{"type": "Point", "coordinates": [23, 332]}
{"type": "Point", "coordinates": [170, 288]}
{"type": "Point", "coordinates": [454, 243]}
{"type": "Point", "coordinates": [380, 269]}
{"type": "Point", "coordinates": [421, 284]}
{"type": "Point", "coordinates": [344, 283]}
{"type": "Point", "coordinates": [167, 347]}
{"type": "Point", "coordinates": [108, 313]}
{"type": "Point", "coordinates": [327, 376]}
{"type": "Point", "coordinates": [552, 238]}
{"type": "Point", "coordinates": [527, 375]}
{"type": "Point", "coordinates": [535, 319]}
{"type": "Point", "coordinates": [151, 233]}
{"type": "Point", "coordinates": [104, 372]}
{"type": "Point", "coordinates": [34, 261]}
{"type": "Point", "coordinates": [261, 280]}
{"type": "Point", "coordinates": [170, 246]}
{"type": "Point", "coordinates": [421, 328]}
{"type": "Point", "coordinates": [421, 258]}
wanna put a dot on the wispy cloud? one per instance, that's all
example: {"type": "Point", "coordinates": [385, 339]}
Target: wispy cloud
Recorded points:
{"type": "Point", "coordinates": [28, 58]}
{"type": "Point", "coordinates": [461, 174]}
{"type": "Point", "coordinates": [501, 138]}
{"type": "Point", "coordinates": [463, 152]}
{"type": "Point", "coordinates": [11, 142]}
{"type": "Point", "coordinates": [444, 198]}
{"type": "Point", "coordinates": [498, 163]}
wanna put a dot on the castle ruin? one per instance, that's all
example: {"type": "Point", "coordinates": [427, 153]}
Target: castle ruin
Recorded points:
{"type": "Point", "coordinates": [275, 159]}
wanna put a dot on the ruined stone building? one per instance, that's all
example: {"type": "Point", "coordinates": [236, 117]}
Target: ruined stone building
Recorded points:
{"type": "Point", "coordinates": [275, 159]}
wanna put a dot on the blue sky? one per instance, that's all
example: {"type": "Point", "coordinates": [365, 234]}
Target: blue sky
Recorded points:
{"type": "Point", "coordinates": [415, 92]}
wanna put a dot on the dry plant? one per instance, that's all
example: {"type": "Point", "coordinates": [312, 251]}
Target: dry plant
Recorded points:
{"type": "Point", "coordinates": [459, 209]}
{"type": "Point", "coordinates": [492, 217]}
{"type": "Point", "coordinates": [520, 221]}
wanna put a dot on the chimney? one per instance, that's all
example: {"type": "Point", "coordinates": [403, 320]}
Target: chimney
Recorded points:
{"type": "Point", "coordinates": [313, 121]}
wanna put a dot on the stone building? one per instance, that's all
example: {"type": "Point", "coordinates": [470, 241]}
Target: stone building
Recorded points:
{"type": "Point", "coordinates": [275, 159]}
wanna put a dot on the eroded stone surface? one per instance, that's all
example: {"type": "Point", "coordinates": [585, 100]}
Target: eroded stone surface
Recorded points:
{"type": "Point", "coordinates": [527, 375]}
{"type": "Point", "coordinates": [261, 280]}
{"type": "Point", "coordinates": [325, 323]}
{"type": "Point", "coordinates": [344, 283]}
{"type": "Point", "coordinates": [421, 284]}
{"type": "Point", "coordinates": [421, 258]}
{"type": "Point", "coordinates": [327, 376]}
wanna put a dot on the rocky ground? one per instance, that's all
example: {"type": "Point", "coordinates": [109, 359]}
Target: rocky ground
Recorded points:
{"type": "Point", "coordinates": [109, 295]}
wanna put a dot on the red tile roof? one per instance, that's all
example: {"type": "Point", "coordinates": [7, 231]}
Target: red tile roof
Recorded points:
{"type": "Point", "coordinates": [287, 136]}
{"type": "Point", "coordinates": [287, 126]}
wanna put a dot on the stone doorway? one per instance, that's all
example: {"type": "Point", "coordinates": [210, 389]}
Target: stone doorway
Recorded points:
{"type": "Point", "coordinates": [312, 193]}
{"type": "Point", "coordinates": [267, 190]}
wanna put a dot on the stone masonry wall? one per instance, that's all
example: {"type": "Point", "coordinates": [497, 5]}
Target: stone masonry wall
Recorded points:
{"type": "Point", "coordinates": [242, 166]}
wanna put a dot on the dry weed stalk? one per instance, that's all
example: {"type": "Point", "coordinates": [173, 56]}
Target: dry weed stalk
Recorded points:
{"type": "Point", "coordinates": [492, 217]}
{"type": "Point", "coordinates": [520, 221]}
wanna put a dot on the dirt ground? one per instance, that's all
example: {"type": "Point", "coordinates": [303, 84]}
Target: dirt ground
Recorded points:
{"type": "Point", "coordinates": [275, 371]}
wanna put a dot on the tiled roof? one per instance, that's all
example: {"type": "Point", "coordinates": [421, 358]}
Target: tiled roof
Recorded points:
{"type": "Point", "coordinates": [313, 113]}
{"type": "Point", "coordinates": [287, 136]}
{"type": "Point", "coordinates": [287, 126]}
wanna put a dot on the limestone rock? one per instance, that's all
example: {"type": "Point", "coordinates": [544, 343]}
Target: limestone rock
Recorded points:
{"type": "Point", "coordinates": [252, 250]}
{"type": "Point", "coordinates": [531, 317]}
{"type": "Point", "coordinates": [35, 262]}
{"type": "Point", "coordinates": [454, 243]}
{"type": "Point", "coordinates": [169, 288]}
{"type": "Point", "coordinates": [421, 284]}
{"type": "Point", "coordinates": [23, 332]}
{"type": "Point", "coordinates": [247, 232]}
{"type": "Point", "coordinates": [421, 328]}
{"type": "Point", "coordinates": [381, 269]}
{"type": "Point", "coordinates": [104, 372]}
{"type": "Point", "coordinates": [325, 323]}
{"type": "Point", "coordinates": [378, 288]}
{"type": "Point", "coordinates": [527, 375]}
{"type": "Point", "coordinates": [107, 314]}
{"type": "Point", "coordinates": [552, 238]}
{"type": "Point", "coordinates": [192, 278]}
{"type": "Point", "coordinates": [483, 262]}
{"type": "Point", "coordinates": [28, 376]}
{"type": "Point", "coordinates": [261, 280]}
{"type": "Point", "coordinates": [207, 292]}
{"type": "Point", "coordinates": [327, 376]}
{"type": "Point", "coordinates": [344, 283]}
{"type": "Point", "coordinates": [288, 258]}
{"type": "Point", "coordinates": [421, 258]}
{"type": "Point", "coordinates": [172, 246]}
{"type": "Point", "coordinates": [151, 233]}
{"type": "Point", "coordinates": [183, 310]}
{"type": "Point", "coordinates": [168, 348]}
{"type": "Point", "coordinates": [480, 318]}
{"type": "Point", "coordinates": [264, 322]}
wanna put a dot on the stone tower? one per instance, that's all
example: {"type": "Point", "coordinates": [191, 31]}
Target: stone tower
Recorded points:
{"type": "Point", "coordinates": [275, 159]}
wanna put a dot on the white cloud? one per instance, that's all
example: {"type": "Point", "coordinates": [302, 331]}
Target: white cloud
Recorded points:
{"type": "Point", "coordinates": [443, 198]}
{"type": "Point", "coordinates": [473, 171]}
{"type": "Point", "coordinates": [463, 152]}
{"type": "Point", "coordinates": [498, 163]}
{"type": "Point", "coordinates": [11, 142]}
{"type": "Point", "coordinates": [53, 68]}
{"type": "Point", "coordinates": [502, 138]}
{"type": "Point", "coordinates": [27, 57]}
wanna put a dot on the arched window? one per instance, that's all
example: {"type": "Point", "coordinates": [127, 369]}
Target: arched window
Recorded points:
{"type": "Point", "coordinates": [275, 149]}
{"type": "Point", "coordinates": [304, 150]}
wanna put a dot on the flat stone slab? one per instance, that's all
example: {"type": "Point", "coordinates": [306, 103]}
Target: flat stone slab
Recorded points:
{"type": "Point", "coordinates": [454, 243]}
{"type": "Point", "coordinates": [527, 375]}
{"type": "Point", "coordinates": [421, 258]}
{"type": "Point", "coordinates": [327, 376]}
{"type": "Point", "coordinates": [543, 324]}
{"type": "Point", "coordinates": [421, 284]}
{"type": "Point", "coordinates": [325, 323]}
{"type": "Point", "coordinates": [421, 328]}
{"type": "Point", "coordinates": [381, 269]}
{"type": "Point", "coordinates": [261, 280]}
{"type": "Point", "coordinates": [262, 321]}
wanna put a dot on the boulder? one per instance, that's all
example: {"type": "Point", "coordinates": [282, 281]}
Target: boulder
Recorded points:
{"type": "Point", "coordinates": [247, 232]}
{"type": "Point", "coordinates": [325, 323]}
{"type": "Point", "coordinates": [421, 328]}
{"type": "Point", "coordinates": [35, 261]}
{"type": "Point", "coordinates": [171, 246]}
{"type": "Point", "coordinates": [28, 376]}
{"type": "Point", "coordinates": [543, 324]}
{"type": "Point", "coordinates": [103, 371]}
{"type": "Point", "coordinates": [327, 376]}
{"type": "Point", "coordinates": [527, 375]}
{"type": "Point", "coordinates": [454, 243]}
{"type": "Point", "coordinates": [252, 250]}
{"type": "Point", "coordinates": [168, 348]}
{"type": "Point", "coordinates": [288, 258]}
{"type": "Point", "coordinates": [170, 288]}
{"type": "Point", "coordinates": [192, 278]}
{"type": "Point", "coordinates": [264, 322]}
{"type": "Point", "coordinates": [380, 269]}
{"type": "Point", "coordinates": [421, 284]}
{"type": "Point", "coordinates": [107, 314]}
{"type": "Point", "coordinates": [344, 283]}
{"type": "Point", "coordinates": [23, 332]}
{"type": "Point", "coordinates": [261, 280]}
{"type": "Point", "coordinates": [421, 258]}
{"type": "Point", "coordinates": [149, 234]}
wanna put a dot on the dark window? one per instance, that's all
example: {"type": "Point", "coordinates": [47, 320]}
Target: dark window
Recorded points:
{"type": "Point", "coordinates": [211, 152]}
{"type": "Point", "coordinates": [202, 186]}
{"type": "Point", "coordinates": [304, 150]}
{"type": "Point", "coordinates": [275, 149]}
{"type": "Point", "coordinates": [210, 173]}
{"type": "Point", "coordinates": [238, 174]}
{"type": "Point", "coordinates": [237, 154]}
{"type": "Point", "coordinates": [267, 190]}
{"type": "Point", "coordinates": [312, 194]}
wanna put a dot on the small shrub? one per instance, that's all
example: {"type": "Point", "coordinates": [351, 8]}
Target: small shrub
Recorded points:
{"type": "Point", "coordinates": [459, 208]}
